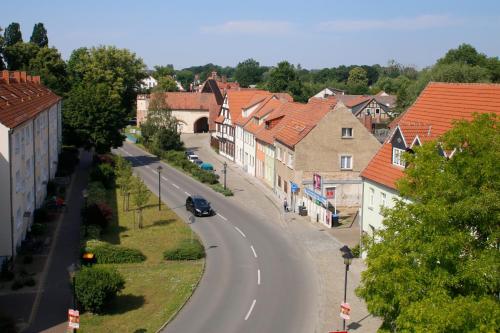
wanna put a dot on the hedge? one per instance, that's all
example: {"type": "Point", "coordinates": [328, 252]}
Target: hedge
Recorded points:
{"type": "Point", "coordinates": [113, 254]}
{"type": "Point", "coordinates": [187, 250]}
{"type": "Point", "coordinates": [96, 286]}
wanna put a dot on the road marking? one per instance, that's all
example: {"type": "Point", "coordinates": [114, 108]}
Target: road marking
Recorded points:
{"type": "Point", "coordinates": [174, 185]}
{"type": "Point", "coordinates": [150, 168]}
{"type": "Point", "coordinates": [241, 232]}
{"type": "Point", "coordinates": [187, 194]}
{"type": "Point", "coordinates": [253, 250]}
{"type": "Point", "coordinates": [258, 277]}
{"type": "Point", "coordinates": [222, 217]}
{"type": "Point", "coordinates": [164, 178]}
{"type": "Point", "coordinates": [250, 310]}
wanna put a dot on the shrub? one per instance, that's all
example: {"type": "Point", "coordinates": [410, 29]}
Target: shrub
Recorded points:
{"type": "Point", "coordinates": [17, 284]}
{"type": "Point", "coordinates": [96, 286]}
{"type": "Point", "coordinates": [6, 273]}
{"type": "Point", "coordinates": [68, 159]}
{"type": "Point", "coordinates": [40, 215]}
{"type": "Point", "coordinates": [38, 229]}
{"type": "Point", "coordinates": [28, 259]}
{"type": "Point", "coordinates": [51, 188]}
{"type": "Point", "coordinates": [219, 188]}
{"type": "Point", "coordinates": [106, 211]}
{"type": "Point", "coordinates": [103, 173]}
{"type": "Point", "coordinates": [187, 250]}
{"type": "Point", "coordinates": [94, 215]}
{"type": "Point", "coordinates": [7, 324]}
{"type": "Point", "coordinates": [93, 231]}
{"type": "Point", "coordinates": [96, 193]}
{"type": "Point", "coordinates": [113, 254]}
{"type": "Point", "coordinates": [30, 282]}
{"type": "Point", "coordinates": [356, 251]}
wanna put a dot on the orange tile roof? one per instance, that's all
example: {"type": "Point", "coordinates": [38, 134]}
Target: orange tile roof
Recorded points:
{"type": "Point", "coordinates": [429, 117]}
{"type": "Point", "coordinates": [21, 100]}
{"type": "Point", "coordinates": [194, 101]}
{"type": "Point", "coordinates": [237, 99]}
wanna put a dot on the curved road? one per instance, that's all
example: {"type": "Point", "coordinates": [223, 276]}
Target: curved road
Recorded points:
{"type": "Point", "coordinates": [257, 279]}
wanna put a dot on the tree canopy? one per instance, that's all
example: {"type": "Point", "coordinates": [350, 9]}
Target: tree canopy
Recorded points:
{"type": "Point", "coordinates": [12, 34]}
{"type": "Point", "coordinates": [435, 264]}
{"type": "Point", "coordinates": [248, 72]}
{"type": "Point", "coordinates": [357, 81]}
{"type": "Point", "coordinates": [39, 35]}
{"type": "Point", "coordinates": [166, 83]}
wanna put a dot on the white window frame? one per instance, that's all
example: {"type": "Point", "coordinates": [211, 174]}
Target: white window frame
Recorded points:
{"type": "Point", "coordinates": [371, 197]}
{"type": "Point", "coordinates": [383, 199]}
{"type": "Point", "coordinates": [347, 135]}
{"type": "Point", "coordinates": [290, 160]}
{"type": "Point", "coordinates": [348, 158]}
{"type": "Point", "coordinates": [397, 157]}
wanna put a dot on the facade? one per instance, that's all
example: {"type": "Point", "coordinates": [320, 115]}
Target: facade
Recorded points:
{"type": "Point", "coordinates": [30, 142]}
{"type": "Point", "coordinates": [329, 92]}
{"type": "Point", "coordinates": [427, 119]}
{"type": "Point", "coordinates": [148, 83]}
{"type": "Point", "coordinates": [191, 109]}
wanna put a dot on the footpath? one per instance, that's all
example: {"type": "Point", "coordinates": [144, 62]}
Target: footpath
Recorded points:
{"type": "Point", "coordinates": [322, 243]}
{"type": "Point", "coordinates": [44, 307]}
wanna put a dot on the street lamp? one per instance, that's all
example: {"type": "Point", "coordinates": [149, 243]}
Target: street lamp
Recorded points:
{"type": "Point", "coordinates": [159, 168]}
{"type": "Point", "coordinates": [85, 195]}
{"type": "Point", "coordinates": [224, 172]}
{"type": "Point", "coordinates": [348, 256]}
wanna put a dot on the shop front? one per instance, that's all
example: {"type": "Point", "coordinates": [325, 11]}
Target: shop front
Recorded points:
{"type": "Point", "coordinates": [317, 207]}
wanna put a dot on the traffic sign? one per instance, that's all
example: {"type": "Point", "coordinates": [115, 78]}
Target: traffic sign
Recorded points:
{"type": "Point", "coordinates": [345, 311]}
{"type": "Point", "coordinates": [73, 318]}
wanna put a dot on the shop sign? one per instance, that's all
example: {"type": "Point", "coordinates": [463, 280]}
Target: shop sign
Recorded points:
{"type": "Point", "coordinates": [316, 197]}
{"type": "Point", "coordinates": [294, 187]}
{"type": "Point", "coordinates": [316, 181]}
{"type": "Point", "coordinates": [330, 192]}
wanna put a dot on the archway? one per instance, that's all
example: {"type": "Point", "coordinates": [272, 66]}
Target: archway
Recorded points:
{"type": "Point", "coordinates": [201, 125]}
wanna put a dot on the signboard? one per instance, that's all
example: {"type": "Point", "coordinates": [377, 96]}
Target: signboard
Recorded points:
{"type": "Point", "coordinates": [330, 192]}
{"type": "Point", "coordinates": [316, 181]}
{"type": "Point", "coordinates": [315, 196]}
{"type": "Point", "coordinates": [294, 187]}
{"type": "Point", "coordinates": [345, 311]}
{"type": "Point", "coordinates": [73, 318]}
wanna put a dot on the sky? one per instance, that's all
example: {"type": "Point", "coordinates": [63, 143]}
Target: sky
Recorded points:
{"type": "Point", "coordinates": [312, 33]}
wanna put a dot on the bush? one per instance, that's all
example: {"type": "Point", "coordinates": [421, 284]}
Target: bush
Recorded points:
{"type": "Point", "coordinates": [17, 284]}
{"type": "Point", "coordinates": [219, 188]}
{"type": "Point", "coordinates": [96, 193]}
{"type": "Point", "coordinates": [93, 231]}
{"type": "Point", "coordinates": [28, 259]}
{"type": "Point", "coordinates": [38, 229]}
{"type": "Point", "coordinates": [187, 250]}
{"type": "Point", "coordinates": [40, 215]}
{"type": "Point", "coordinates": [7, 324]}
{"type": "Point", "coordinates": [96, 286]}
{"type": "Point", "coordinates": [113, 254]}
{"type": "Point", "coordinates": [30, 282]}
{"type": "Point", "coordinates": [105, 174]}
{"type": "Point", "coordinates": [51, 188]}
{"type": "Point", "coordinates": [94, 215]}
{"type": "Point", "coordinates": [205, 176]}
{"type": "Point", "coordinates": [6, 273]}
{"type": "Point", "coordinates": [356, 251]}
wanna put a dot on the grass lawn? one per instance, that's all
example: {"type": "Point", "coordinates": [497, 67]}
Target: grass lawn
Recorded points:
{"type": "Point", "coordinates": [155, 289]}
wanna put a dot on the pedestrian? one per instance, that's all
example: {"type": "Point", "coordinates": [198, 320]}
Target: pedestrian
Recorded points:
{"type": "Point", "coordinates": [285, 205]}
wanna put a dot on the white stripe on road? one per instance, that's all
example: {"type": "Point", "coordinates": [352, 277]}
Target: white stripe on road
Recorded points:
{"type": "Point", "coordinates": [187, 194]}
{"type": "Point", "coordinates": [150, 168]}
{"type": "Point", "coordinates": [253, 250]}
{"type": "Point", "coordinates": [175, 185]}
{"type": "Point", "coordinates": [241, 232]}
{"type": "Point", "coordinates": [250, 310]}
{"type": "Point", "coordinates": [164, 178]}
{"type": "Point", "coordinates": [258, 277]}
{"type": "Point", "coordinates": [222, 217]}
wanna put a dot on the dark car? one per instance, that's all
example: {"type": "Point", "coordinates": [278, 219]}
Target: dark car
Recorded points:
{"type": "Point", "coordinates": [199, 206]}
{"type": "Point", "coordinates": [198, 162]}
{"type": "Point", "coordinates": [188, 152]}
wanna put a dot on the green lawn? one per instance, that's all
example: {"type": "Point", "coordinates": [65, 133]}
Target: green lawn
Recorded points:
{"type": "Point", "coordinates": [154, 289]}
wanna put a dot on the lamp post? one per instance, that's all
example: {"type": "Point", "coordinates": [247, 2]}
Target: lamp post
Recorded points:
{"type": "Point", "coordinates": [225, 173]}
{"type": "Point", "coordinates": [85, 195]}
{"type": "Point", "coordinates": [347, 255]}
{"type": "Point", "coordinates": [159, 168]}
{"type": "Point", "coordinates": [72, 271]}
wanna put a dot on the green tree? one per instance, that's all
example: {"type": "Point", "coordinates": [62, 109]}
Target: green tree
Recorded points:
{"type": "Point", "coordinates": [2, 45]}
{"type": "Point", "coordinates": [284, 78]}
{"type": "Point", "coordinates": [357, 82]}
{"type": "Point", "coordinates": [93, 116]}
{"type": "Point", "coordinates": [185, 77]}
{"type": "Point", "coordinates": [162, 71]}
{"type": "Point", "coordinates": [248, 72]}
{"type": "Point", "coordinates": [13, 34]}
{"type": "Point", "coordinates": [141, 196]}
{"type": "Point", "coordinates": [166, 83]}
{"type": "Point", "coordinates": [435, 266]}
{"type": "Point", "coordinates": [39, 35]}
{"type": "Point", "coordinates": [52, 69]}
{"type": "Point", "coordinates": [124, 176]}
{"type": "Point", "coordinates": [19, 55]}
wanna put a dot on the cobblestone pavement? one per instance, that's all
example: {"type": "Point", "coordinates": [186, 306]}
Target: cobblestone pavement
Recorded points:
{"type": "Point", "coordinates": [321, 243]}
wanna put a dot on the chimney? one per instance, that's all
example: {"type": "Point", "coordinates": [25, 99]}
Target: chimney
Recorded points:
{"type": "Point", "coordinates": [6, 76]}
{"type": "Point", "coordinates": [23, 77]}
{"type": "Point", "coordinates": [36, 79]}
{"type": "Point", "coordinates": [214, 75]}
{"type": "Point", "coordinates": [17, 76]}
{"type": "Point", "coordinates": [368, 123]}
{"type": "Point", "coordinates": [224, 79]}
{"type": "Point", "coordinates": [29, 78]}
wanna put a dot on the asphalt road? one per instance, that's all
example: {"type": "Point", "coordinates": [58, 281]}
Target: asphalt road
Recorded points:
{"type": "Point", "coordinates": [257, 279]}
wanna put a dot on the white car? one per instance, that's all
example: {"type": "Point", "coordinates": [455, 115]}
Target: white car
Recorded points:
{"type": "Point", "coordinates": [192, 158]}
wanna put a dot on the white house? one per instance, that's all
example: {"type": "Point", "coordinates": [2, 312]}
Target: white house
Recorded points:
{"type": "Point", "coordinates": [149, 83]}
{"type": "Point", "coordinates": [427, 119]}
{"type": "Point", "coordinates": [30, 141]}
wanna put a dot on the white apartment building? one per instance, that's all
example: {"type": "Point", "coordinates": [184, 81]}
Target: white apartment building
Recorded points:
{"type": "Point", "coordinates": [30, 142]}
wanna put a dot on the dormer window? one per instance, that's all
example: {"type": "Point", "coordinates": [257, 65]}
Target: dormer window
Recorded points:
{"type": "Point", "coordinates": [397, 157]}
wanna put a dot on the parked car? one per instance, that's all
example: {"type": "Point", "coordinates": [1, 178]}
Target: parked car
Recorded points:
{"type": "Point", "coordinates": [199, 206]}
{"type": "Point", "coordinates": [207, 167]}
{"type": "Point", "coordinates": [192, 158]}
{"type": "Point", "coordinates": [198, 162]}
{"type": "Point", "coordinates": [189, 152]}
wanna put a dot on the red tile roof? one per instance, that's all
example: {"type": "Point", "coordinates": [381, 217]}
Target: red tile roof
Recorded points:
{"type": "Point", "coordinates": [194, 101]}
{"type": "Point", "coordinates": [237, 99]}
{"type": "Point", "coordinates": [429, 117]}
{"type": "Point", "coordinates": [22, 98]}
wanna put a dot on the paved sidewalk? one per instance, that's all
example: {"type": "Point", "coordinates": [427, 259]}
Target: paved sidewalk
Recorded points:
{"type": "Point", "coordinates": [321, 243]}
{"type": "Point", "coordinates": [50, 310]}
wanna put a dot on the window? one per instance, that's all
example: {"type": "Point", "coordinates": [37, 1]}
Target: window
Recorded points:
{"type": "Point", "coordinates": [368, 111]}
{"type": "Point", "coordinates": [346, 162]}
{"type": "Point", "coordinates": [290, 160]}
{"type": "Point", "coordinates": [371, 198]}
{"type": "Point", "coordinates": [347, 132]}
{"type": "Point", "coordinates": [279, 181]}
{"type": "Point", "coordinates": [383, 199]}
{"type": "Point", "coordinates": [397, 157]}
{"type": "Point", "coordinates": [377, 111]}
{"type": "Point", "coordinates": [278, 153]}
{"type": "Point", "coordinates": [285, 185]}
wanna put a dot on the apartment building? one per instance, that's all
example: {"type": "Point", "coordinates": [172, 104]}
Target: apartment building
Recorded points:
{"type": "Point", "coordinates": [30, 142]}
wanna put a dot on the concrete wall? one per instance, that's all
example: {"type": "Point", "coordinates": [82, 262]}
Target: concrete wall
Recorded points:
{"type": "Point", "coordinates": [373, 200]}
{"type": "Point", "coordinates": [5, 178]}
{"type": "Point", "coordinates": [249, 158]}
{"type": "Point", "coordinates": [284, 171]}
{"type": "Point", "coordinates": [188, 118]}
{"type": "Point", "coordinates": [269, 165]}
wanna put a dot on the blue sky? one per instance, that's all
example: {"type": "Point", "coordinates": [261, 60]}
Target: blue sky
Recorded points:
{"type": "Point", "coordinates": [314, 33]}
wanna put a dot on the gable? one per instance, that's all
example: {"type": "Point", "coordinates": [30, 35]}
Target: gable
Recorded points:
{"type": "Point", "coordinates": [398, 140]}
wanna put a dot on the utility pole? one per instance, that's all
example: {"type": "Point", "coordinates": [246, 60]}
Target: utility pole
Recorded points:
{"type": "Point", "coordinates": [159, 168]}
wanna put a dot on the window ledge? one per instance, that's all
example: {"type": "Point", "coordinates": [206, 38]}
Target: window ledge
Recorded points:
{"type": "Point", "coordinates": [347, 137]}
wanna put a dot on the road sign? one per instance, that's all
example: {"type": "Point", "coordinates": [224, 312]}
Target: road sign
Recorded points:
{"type": "Point", "coordinates": [345, 311]}
{"type": "Point", "coordinates": [73, 318]}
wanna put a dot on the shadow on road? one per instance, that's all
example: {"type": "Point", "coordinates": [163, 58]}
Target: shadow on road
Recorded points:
{"type": "Point", "coordinates": [141, 160]}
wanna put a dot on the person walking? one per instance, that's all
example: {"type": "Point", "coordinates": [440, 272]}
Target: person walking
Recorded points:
{"type": "Point", "coordinates": [285, 205]}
